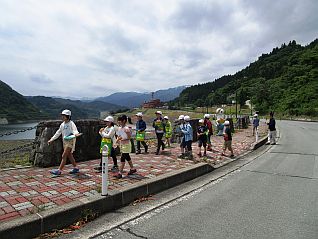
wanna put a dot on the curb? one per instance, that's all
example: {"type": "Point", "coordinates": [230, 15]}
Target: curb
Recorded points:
{"type": "Point", "coordinates": [301, 120]}
{"type": "Point", "coordinates": [62, 216]}
{"type": "Point", "coordinates": [259, 143]}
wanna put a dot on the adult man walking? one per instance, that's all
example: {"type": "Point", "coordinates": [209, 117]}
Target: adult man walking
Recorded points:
{"type": "Point", "coordinates": [271, 129]}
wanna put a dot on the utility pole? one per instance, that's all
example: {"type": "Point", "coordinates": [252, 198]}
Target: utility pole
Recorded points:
{"type": "Point", "coordinates": [236, 103]}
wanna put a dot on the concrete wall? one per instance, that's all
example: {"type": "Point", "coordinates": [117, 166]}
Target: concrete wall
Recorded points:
{"type": "Point", "coordinates": [87, 146]}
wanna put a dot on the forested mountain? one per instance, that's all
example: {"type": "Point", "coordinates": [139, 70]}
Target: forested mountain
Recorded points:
{"type": "Point", "coordinates": [80, 110]}
{"type": "Point", "coordinates": [285, 80]}
{"type": "Point", "coordinates": [14, 107]}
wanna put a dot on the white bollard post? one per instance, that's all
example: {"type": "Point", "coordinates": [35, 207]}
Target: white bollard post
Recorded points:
{"type": "Point", "coordinates": [105, 170]}
{"type": "Point", "coordinates": [256, 133]}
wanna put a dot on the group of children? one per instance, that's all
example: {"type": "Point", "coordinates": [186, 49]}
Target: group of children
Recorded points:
{"type": "Point", "coordinates": [204, 133]}
{"type": "Point", "coordinates": [121, 135]}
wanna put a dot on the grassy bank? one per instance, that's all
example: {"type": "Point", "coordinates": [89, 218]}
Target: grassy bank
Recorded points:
{"type": "Point", "coordinates": [17, 158]}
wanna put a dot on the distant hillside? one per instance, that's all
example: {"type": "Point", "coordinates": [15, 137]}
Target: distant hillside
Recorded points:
{"type": "Point", "coordinates": [14, 107]}
{"type": "Point", "coordinates": [80, 110]}
{"type": "Point", "coordinates": [285, 81]}
{"type": "Point", "coordinates": [134, 99]}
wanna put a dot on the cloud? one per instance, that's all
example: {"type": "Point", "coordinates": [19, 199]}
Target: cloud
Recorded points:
{"type": "Point", "coordinates": [41, 79]}
{"type": "Point", "coordinates": [93, 48]}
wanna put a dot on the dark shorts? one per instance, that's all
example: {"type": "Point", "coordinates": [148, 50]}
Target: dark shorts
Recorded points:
{"type": "Point", "coordinates": [202, 142]}
{"type": "Point", "coordinates": [187, 144]}
{"type": "Point", "coordinates": [125, 157]}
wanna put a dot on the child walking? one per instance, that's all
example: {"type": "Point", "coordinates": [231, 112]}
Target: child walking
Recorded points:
{"type": "Point", "coordinates": [227, 138]}
{"type": "Point", "coordinates": [168, 128]}
{"type": "Point", "coordinates": [67, 129]}
{"type": "Point", "coordinates": [159, 126]}
{"type": "Point", "coordinates": [202, 137]}
{"type": "Point", "coordinates": [208, 124]}
{"type": "Point", "coordinates": [187, 137]}
{"type": "Point", "coordinates": [181, 136]}
{"type": "Point", "coordinates": [255, 124]}
{"type": "Point", "coordinates": [124, 135]}
{"type": "Point", "coordinates": [140, 133]}
{"type": "Point", "coordinates": [108, 138]}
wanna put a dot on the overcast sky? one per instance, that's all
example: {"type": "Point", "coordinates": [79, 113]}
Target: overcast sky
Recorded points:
{"type": "Point", "coordinates": [95, 48]}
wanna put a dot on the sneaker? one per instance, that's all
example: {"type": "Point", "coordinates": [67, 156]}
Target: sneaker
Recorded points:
{"type": "Point", "coordinates": [138, 152]}
{"type": "Point", "coordinates": [74, 170]}
{"type": "Point", "coordinates": [98, 169]}
{"type": "Point", "coordinates": [119, 176]}
{"type": "Point", "coordinates": [181, 156]}
{"type": "Point", "coordinates": [157, 153]}
{"type": "Point", "coordinates": [222, 154]}
{"type": "Point", "coordinates": [132, 171]}
{"type": "Point", "coordinates": [115, 168]}
{"type": "Point", "coordinates": [55, 172]}
{"type": "Point", "coordinates": [232, 155]}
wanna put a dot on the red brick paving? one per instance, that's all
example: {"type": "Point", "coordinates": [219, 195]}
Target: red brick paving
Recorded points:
{"type": "Point", "coordinates": [26, 191]}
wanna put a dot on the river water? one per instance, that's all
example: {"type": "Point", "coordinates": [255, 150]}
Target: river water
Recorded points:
{"type": "Point", "coordinates": [30, 134]}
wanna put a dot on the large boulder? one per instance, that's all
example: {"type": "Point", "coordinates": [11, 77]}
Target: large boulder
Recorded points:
{"type": "Point", "coordinates": [87, 145]}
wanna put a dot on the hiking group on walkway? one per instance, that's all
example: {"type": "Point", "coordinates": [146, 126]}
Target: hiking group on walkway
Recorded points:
{"type": "Point", "coordinates": [118, 138]}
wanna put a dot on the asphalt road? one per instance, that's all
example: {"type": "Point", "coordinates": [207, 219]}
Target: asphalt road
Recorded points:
{"type": "Point", "coordinates": [274, 196]}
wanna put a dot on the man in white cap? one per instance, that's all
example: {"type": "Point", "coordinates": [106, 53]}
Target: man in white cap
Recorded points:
{"type": "Point", "coordinates": [159, 125]}
{"type": "Point", "coordinates": [208, 124]}
{"type": "Point", "coordinates": [140, 133]}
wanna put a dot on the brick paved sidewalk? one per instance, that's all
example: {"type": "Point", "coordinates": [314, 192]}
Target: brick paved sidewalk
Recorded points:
{"type": "Point", "coordinates": [30, 190]}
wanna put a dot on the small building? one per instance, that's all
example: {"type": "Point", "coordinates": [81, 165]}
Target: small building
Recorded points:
{"type": "Point", "coordinates": [154, 103]}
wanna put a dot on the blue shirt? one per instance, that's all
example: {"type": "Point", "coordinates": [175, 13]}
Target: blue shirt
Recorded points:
{"type": "Point", "coordinates": [141, 125]}
{"type": "Point", "coordinates": [256, 122]}
{"type": "Point", "coordinates": [187, 132]}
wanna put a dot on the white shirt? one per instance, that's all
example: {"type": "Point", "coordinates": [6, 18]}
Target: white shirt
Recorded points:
{"type": "Point", "coordinates": [108, 132]}
{"type": "Point", "coordinates": [123, 132]}
{"type": "Point", "coordinates": [65, 129]}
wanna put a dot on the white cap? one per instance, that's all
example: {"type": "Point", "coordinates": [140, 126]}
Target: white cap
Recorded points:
{"type": "Point", "coordinates": [201, 121]}
{"type": "Point", "coordinates": [181, 117]}
{"type": "Point", "coordinates": [159, 112]}
{"type": "Point", "coordinates": [139, 114]}
{"type": "Point", "coordinates": [207, 116]}
{"type": "Point", "coordinates": [166, 117]}
{"type": "Point", "coordinates": [227, 122]}
{"type": "Point", "coordinates": [256, 115]}
{"type": "Point", "coordinates": [109, 119]}
{"type": "Point", "coordinates": [219, 111]}
{"type": "Point", "coordinates": [66, 112]}
{"type": "Point", "coordinates": [187, 118]}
